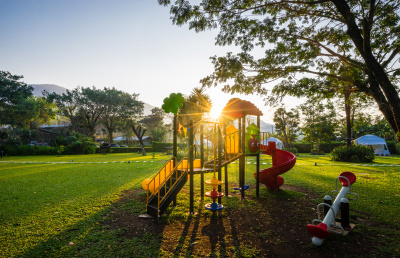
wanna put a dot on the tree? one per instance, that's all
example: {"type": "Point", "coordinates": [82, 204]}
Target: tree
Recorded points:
{"type": "Point", "coordinates": [91, 107]}
{"type": "Point", "coordinates": [287, 124]}
{"type": "Point", "coordinates": [195, 106]}
{"type": "Point", "coordinates": [139, 132]}
{"type": "Point", "coordinates": [154, 124]}
{"type": "Point", "coordinates": [367, 124]}
{"type": "Point", "coordinates": [29, 110]}
{"type": "Point", "coordinates": [118, 106]}
{"type": "Point", "coordinates": [351, 42]}
{"type": "Point", "coordinates": [68, 105]}
{"type": "Point", "coordinates": [12, 92]}
{"type": "Point", "coordinates": [83, 106]}
{"type": "Point", "coordinates": [154, 120]}
{"type": "Point", "coordinates": [319, 122]}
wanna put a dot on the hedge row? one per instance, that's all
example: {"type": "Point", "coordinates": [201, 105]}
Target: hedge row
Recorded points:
{"type": "Point", "coordinates": [123, 150]}
{"type": "Point", "coordinates": [163, 146]}
{"type": "Point", "coordinates": [27, 150]}
{"type": "Point", "coordinates": [324, 147]}
{"type": "Point", "coordinates": [394, 147]}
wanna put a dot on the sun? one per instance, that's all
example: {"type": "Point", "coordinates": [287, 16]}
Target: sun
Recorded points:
{"type": "Point", "coordinates": [216, 110]}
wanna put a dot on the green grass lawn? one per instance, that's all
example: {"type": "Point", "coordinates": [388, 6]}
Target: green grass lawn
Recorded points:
{"type": "Point", "coordinates": [51, 206]}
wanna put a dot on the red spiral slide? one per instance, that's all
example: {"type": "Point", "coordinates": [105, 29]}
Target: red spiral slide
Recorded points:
{"type": "Point", "coordinates": [282, 161]}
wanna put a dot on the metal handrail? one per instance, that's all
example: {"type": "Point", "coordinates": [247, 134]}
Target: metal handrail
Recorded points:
{"type": "Point", "coordinates": [184, 173]}
{"type": "Point", "coordinates": [228, 156]}
{"type": "Point", "coordinates": [153, 180]}
{"type": "Point", "coordinates": [166, 178]}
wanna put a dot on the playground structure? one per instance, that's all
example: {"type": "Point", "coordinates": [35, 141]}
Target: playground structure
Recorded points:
{"type": "Point", "coordinates": [322, 229]}
{"type": "Point", "coordinates": [228, 145]}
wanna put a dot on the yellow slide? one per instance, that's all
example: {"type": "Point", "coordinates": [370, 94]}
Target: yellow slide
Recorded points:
{"type": "Point", "coordinates": [151, 184]}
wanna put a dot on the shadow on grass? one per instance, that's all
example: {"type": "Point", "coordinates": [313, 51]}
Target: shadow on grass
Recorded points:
{"type": "Point", "coordinates": [102, 234]}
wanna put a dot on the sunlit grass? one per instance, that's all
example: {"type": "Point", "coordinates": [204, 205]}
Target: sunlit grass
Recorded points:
{"type": "Point", "coordinates": [46, 206]}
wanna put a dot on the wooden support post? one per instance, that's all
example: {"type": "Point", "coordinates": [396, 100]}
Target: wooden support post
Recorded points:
{"type": "Point", "coordinates": [258, 160]}
{"type": "Point", "coordinates": [202, 161]}
{"type": "Point", "coordinates": [244, 153]}
{"type": "Point", "coordinates": [226, 167]}
{"type": "Point", "coordinates": [240, 149]}
{"type": "Point", "coordinates": [191, 140]}
{"type": "Point", "coordinates": [219, 159]}
{"type": "Point", "coordinates": [175, 147]}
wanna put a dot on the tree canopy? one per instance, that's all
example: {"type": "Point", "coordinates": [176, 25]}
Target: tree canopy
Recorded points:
{"type": "Point", "coordinates": [313, 43]}
{"type": "Point", "coordinates": [287, 124]}
{"type": "Point", "coordinates": [12, 90]}
{"type": "Point", "coordinates": [90, 107]}
{"type": "Point", "coordinates": [29, 110]}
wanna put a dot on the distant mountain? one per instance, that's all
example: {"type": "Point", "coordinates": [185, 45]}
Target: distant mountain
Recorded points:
{"type": "Point", "coordinates": [39, 88]}
{"type": "Point", "coordinates": [147, 108]}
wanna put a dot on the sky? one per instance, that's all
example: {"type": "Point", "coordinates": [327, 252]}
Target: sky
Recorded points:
{"type": "Point", "coordinates": [131, 45]}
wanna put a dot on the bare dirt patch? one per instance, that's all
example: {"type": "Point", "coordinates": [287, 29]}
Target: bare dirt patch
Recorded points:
{"type": "Point", "coordinates": [258, 227]}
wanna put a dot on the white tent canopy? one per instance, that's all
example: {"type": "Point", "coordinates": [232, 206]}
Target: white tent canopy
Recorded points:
{"type": "Point", "coordinates": [120, 138]}
{"type": "Point", "coordinates": [279, 143]}
{"type": "Point", "coordinates": [206, 143]}
{"type": "Point", "coordinates": [378, 144]}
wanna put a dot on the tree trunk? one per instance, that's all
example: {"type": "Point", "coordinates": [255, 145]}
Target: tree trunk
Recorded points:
{"type": "Point", "coordinates": [347, 108]}
{"type": "Point", "coordinates": [139, 132]}
{"type": "Point", "coordinates": [381, 89]}
{"type": "Point", "coordinates": [110, 135]}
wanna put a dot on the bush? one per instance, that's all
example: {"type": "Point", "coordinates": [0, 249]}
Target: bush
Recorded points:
{"type": "Point", "coordinates": [317, 152]}
{"type": "Point", "coordinates": [393, 149]}
{"type": "Point", "coordinates": [161, 146]}
{"type": "Point", "coordinates": [75, 143]}
{"type": "Point", "coordinates": [355, 153]}
{"type": "Point", "coordinates": [303, 147]}
{"type": "Point", "coordinates": [292, 150]}
{"type": "Point", "coordinates": [27, 150]}
{"type": "Point", "coordinates": [79, 148]}
{"type": "Point", "coordinates": [324, 147]}
{"type": "Point", "coordinates": [397, 146]}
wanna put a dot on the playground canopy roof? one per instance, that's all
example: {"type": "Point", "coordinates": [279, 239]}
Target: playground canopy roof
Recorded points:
{"type": "Point", "coordinates": [237, 108]}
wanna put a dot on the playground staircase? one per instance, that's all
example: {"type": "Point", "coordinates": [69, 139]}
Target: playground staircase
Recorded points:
{"type": "Point", "coordinates": [159, 200]}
